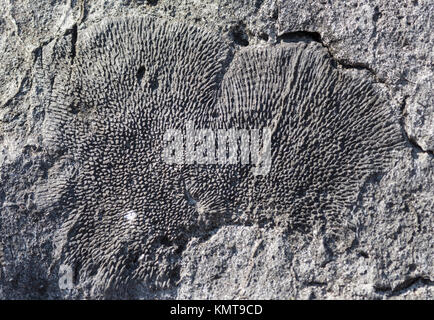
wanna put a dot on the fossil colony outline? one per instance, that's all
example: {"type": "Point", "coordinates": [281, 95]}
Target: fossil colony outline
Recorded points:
{"type": "Point", "coordinates": [133, 78]}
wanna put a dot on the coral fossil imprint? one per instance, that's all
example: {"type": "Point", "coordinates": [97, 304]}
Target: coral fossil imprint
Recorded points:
{"type": "Point", "coordinates": [129, 213]}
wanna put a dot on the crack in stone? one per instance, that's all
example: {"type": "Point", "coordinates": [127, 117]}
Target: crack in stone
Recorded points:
{"type": "Point", "coordinates": [410, 139]}
{"type": "Point", "coordinates": [404, 286]}
{"type": "Point", "coordinates": [295, 36]}
{"type": "Point", "coordinates": [314, 36]}
{"type": "Point", "coordinates": [74, 34]}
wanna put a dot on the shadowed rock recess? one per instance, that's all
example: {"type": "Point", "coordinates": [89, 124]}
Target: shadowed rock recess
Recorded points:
{"type": "Point", "coordinates": [129, 215]}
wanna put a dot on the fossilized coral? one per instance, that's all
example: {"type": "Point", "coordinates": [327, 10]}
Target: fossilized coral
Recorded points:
{"type": "Point", "coordinates": [129, 213]}
{"type": "Point", "coordinates": [330, 133]}
{"type": "Point", "coordinates": [131, 80]}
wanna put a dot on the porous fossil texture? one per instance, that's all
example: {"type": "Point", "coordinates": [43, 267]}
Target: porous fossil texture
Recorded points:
{"type": "Point", "coordinates": [330, 132]}
{"type": "Point", "coordinates": [131, 80]}
{"type": "Point", "coordinates": [128, 214]}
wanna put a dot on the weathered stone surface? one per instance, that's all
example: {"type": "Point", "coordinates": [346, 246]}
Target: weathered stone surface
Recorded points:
{"type": "Point", "coordinates": [386, 254]}
{"type": "Point", "coordinates": [386, 248]}
{"type": "Point", "coordinates": [392, 39]}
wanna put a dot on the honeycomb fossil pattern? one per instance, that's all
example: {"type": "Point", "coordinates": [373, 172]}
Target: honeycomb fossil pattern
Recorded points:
{"type": "Point", "coordinates": [131, 79]}
{"type": "Point", "coordinates": [110, 113]}
{"type": "Point", "coordinates": [330, 133]}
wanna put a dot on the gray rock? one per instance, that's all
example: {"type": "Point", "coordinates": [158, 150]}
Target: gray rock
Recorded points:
{"type": "Point", "coordinates": [384, 249]}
